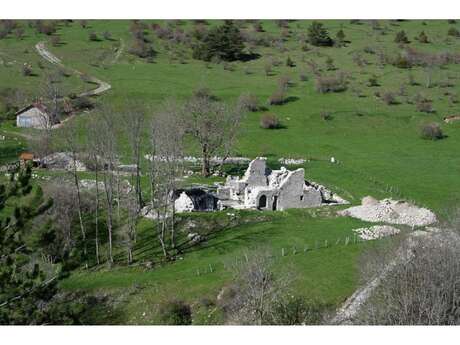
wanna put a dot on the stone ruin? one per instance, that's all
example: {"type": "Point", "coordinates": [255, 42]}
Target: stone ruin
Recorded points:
{"type": "Point", "coordinates": [260, 188]}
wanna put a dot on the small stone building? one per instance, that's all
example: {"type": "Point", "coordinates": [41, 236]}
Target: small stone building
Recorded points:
{"type": "Point", "coordinates": [33, 116]}
{"type": "Point", "coordinates": [267, 189]}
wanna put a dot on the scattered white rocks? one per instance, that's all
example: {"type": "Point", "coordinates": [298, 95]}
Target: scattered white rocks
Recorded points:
{"type": "Point", "coordinates": [391, 211]}
{"type": "Point", "coordinates": [194, 237]}
{"type": "Point", "coordinates": [376, 232]}
{"type": "Point", "coordinates": [197, 160]}
{"type": "Point", "coordinates": [292, 161]}
{"type": "Point", "coordinates": [62, 160]}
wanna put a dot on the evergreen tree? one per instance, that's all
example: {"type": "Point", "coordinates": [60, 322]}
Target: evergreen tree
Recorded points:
{"type": "Point", "coordinates": [223, 42]}
{"type": "Point", "coordinates": [318, 35]}
{"type": "Point", "coordinates": [24, 286]}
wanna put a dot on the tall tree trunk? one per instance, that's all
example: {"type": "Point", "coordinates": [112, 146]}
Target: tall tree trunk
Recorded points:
{"type": "Point", "coordinates": [206, 169]}
{"type": "Point", "coordinates": [97, 214]}
{"type": "Point", "coordinates": [80, 217]}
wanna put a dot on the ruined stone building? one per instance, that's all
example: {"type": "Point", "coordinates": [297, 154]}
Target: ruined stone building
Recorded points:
{"type": "Point", "coordinates": [267, 189]}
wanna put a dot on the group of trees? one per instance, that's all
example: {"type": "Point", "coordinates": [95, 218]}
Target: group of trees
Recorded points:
{"type": "Point", "coordinates": [105, 216]}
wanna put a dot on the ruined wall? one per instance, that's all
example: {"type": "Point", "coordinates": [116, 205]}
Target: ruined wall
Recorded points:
{"type": "Point", "coordinates": [256, 174]}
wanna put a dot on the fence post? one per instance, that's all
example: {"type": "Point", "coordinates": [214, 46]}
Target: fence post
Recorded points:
{"type": "Point", "coordinates": [198, 272]}
{"type": "Point", "coordinates": [325, 243]}
{"type": "Point", "coordinates": [305, 249]}
{"type": "Point", "coordinates": [337, 242]}
{"type": "Point", "coordinates": [282, 251]}
{"type": "Point", "coordinates": [294, 250]}
{"type": "Point", "coordinates": [210, 268]}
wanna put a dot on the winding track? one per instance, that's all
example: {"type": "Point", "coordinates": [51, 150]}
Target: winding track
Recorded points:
{"type": "Point", "coordinates": [50, 57]}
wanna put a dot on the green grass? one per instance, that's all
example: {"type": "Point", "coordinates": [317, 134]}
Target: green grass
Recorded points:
{"type": "Point", "coordinates": [378, 146]}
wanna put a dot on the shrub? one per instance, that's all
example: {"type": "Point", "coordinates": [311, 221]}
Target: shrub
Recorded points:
{"type": "Point", "coordinates": [303, 76]}
{"type": "Point", "coordinates": [335, 83]}
{"type": "Point", "coordinates": [175, 313]}
{"type": "Point", "coordinates": [289, 62]}
{"type": "Point", "coordinates": [268, 67]}
{"type": "Point", "coordinates": [248, 102]}
{"type": "Point", "coordinates": [27, 70]}
{"type": "Point", "coordinates": [340, 38]}
{"type": "Point", "coordinates": [453, 32]}
{"type": "Point", "coordinates": [55, 40]}
{"type": "Point", "coordinates": [401, 37]}
{"type": "Point", "coordinates": [431, 131]}
{"type": "Point", "coordinates": [389, 98]}
{"type": "Point", "coordinates": [325, 115]}
{"type": "Point", "coordinates": [373, 81]}
{"type": "Point", "coordinates": [330, 64]}
{"type": "Point", "coordinates": [46, 27]}
{"type": "Point", "coordinates": [269, 121]}
{"type": "Point", "coordinates": [93, 36]}
{"type": "Point", "coordinates": [19, 33]}
{"type": "Point", "coordinates": [277, 98]}
{"type": "Point", "coordinates": [107, 35]}
{"type": "Point", "coordinates": [81, 103]}
{"type": "Point", "coordinates": [83, 24]}
{"type": "Point", "coordinates": [318, 35]}
{"type": "Point", "coordinates": [142, 49]}
{"type": "Point", "coordinates": [284, 82]}
{"type": "Point", "coordinates": [423, 38]}
{"type": "Point", "coordinates": [424, 106]}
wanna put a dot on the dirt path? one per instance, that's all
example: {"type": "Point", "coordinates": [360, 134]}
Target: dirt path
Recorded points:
{"type": "Point", "coordinates": [50, 57]}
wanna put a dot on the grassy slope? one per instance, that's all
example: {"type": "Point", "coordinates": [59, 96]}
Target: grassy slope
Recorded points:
{"type": "Point", "coordinates": [380, 152]}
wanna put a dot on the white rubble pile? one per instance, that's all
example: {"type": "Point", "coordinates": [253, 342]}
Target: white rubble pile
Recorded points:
{"type": "Point", "coordinates": [376, 232]}
{"type": "Point", "coordinates": [62, 160]}
{"type": "Point", "coordinates": [392, 212]}
{"type": "Point", "coordinates": [183, 203]}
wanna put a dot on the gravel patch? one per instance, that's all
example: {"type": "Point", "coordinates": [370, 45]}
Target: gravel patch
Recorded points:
{"type": "Point", "coordinates": [392, 212]}
{"type": "Point", "coordinates": [376, 232]}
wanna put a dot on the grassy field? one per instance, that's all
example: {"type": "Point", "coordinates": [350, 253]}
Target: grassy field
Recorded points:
{"type": "Point", "coordinates": [378, 146]}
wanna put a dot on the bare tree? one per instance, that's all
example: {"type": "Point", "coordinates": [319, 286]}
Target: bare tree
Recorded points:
{"type": "Point", "coordinates": [133, 124]}
{"type": "Point", "coordinates": [213, 124]}
{"type": "Point", "coordinates": [92, 149]}
{"type": "Point", "coordinates": [422, 288]}
{"type": "Point", "coordinates": [129, 229]}
{"type": "Point", "coordinates": [107, 148]}
{"type": "Point", "coordinates": [70, 134]}
{"type": "Point", "coordinates": [169, 133]}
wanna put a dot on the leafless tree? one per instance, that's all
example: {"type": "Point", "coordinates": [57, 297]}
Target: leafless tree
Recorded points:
{"type": "Point", "coordinates": [95, 163]}
{"type": "Point", "coordinates": [423, 288]}
{"type": "Point", "coordinates": [70, 134]}
{"type": "Point", "coordinates": [129, 228]}
{"type": "Point", "coordinates": [107, 148]}
{"type": "Point", "coordinates": [133, 124]}
{"type": "Point", "coordinates": [214, 125]}
{"type": "Point", "coordinates": [256, 289]}
{"type": "Point", "coordinates": [169, 134]}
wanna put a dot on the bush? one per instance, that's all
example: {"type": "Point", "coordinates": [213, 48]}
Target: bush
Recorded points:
{"type": "Point", "coordinates": [248, 102]}
{"type": "Point", "coordinates": [318, 35]}
{"type": "Point", "coordinates": [27, 70]}
{"type": "Point", "coordinates": [93, 36]}
{"type": "Point", "coordinates": [175, 313]}
{"type": "Point", "coordinates": [325, 115]}
{"type": "Point", "coordinates": [277, 98]}
{"type": "Point", "coordinates": [335, 83]}
{"type": "Point", "coordinates": [340, 38]}
{"type": "Point", "coordinates": [401, 37]}
{"type": "Point", "coordinates": [268, 67]}
{"type": "Point", "coordinates": [423, 38]}
{"type": "Point", "coordinates": [81, 103]}
{"type": "Point", "coordinates": [289, 62]}
{"type": "Point", "coordinates": [431, 131]}
{"type": "Point", "coordinates": [269, 121]}
{"type": "Point", "coordinates": [142, 49]}
{"type": "Point", "coordinates": [424, 105]}
{"type": "Point", "coordinates": [373, 81]}
{"type": "Point", "coordinates": [303, 76]}
{"type": "Point", "coordinates": [107, 35]}
{"type": "Point", "coordinates": [55, 40]}
{"type": "Point", "coordinates": [389, 98]}
{"type": "Point", "coordinates": [453, 32]}
{"type": "Point", "coordinates": [284, 82]}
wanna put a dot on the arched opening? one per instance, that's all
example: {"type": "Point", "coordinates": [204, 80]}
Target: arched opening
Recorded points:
{"type": "Point", "coordinates": [263, 201]}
